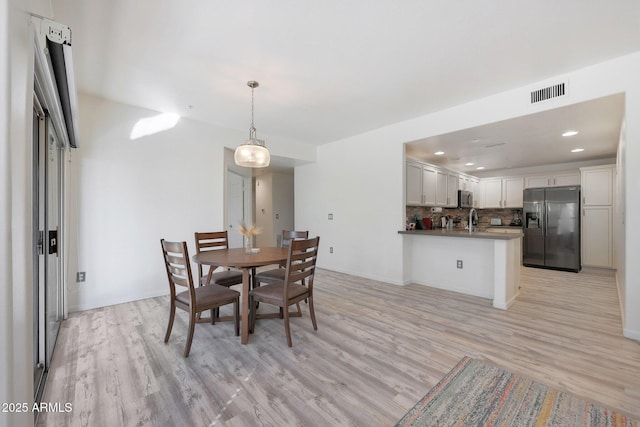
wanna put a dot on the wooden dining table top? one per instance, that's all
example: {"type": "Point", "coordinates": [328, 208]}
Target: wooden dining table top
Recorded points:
{"type": "Point", "coordinates": [237, 257]}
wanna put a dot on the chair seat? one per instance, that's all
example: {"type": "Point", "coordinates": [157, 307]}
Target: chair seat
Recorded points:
{"type": "Point", "coordinates": [276, 274]}
{"type": "Point", "coordinates": [224, 278]}
{"type": "Point", "coordinates": [274, 292]}
{"type": "Point", "coordinates": [209, 296]}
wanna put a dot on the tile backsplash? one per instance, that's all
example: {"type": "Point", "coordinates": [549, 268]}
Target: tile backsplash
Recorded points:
{"type": "Point", "coordinates": [461, 215]}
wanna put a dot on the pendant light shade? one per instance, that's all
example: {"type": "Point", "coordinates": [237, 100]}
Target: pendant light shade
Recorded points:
{"type": "Point", "coordinates": [252, 153]}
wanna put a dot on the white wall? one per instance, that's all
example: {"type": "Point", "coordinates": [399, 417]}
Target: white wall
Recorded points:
{"type": "Point", "coordinates": [130, 194]}
{"type": "Point", "coordinates": [16, 104]}
{"type": "Point", "coordinates": [360, 179]}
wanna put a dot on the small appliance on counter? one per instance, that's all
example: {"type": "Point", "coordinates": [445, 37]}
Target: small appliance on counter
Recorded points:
{"type": "Point", "coordinates": [427, 223]}
{"type": "Point", "coordinates": [516, 221]}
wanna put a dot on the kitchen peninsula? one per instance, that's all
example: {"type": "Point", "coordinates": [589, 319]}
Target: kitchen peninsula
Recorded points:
{"type": "Point", "coordinates": [479, 263]}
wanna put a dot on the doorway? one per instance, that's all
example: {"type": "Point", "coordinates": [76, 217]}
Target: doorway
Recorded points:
{"type": "Point", "coordinates": [235, 207]}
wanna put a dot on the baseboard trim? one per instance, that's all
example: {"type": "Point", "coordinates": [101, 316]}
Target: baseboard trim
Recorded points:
{"type": "Point", "coordinates": [364, 276]}
{"type": "Point", "coordinates": [115, 301]}
{"type": "Point", "coordinates": [628, 333]}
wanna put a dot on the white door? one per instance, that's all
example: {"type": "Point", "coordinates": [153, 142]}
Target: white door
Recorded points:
{"type": "Point", "coordinates": [235, 208]}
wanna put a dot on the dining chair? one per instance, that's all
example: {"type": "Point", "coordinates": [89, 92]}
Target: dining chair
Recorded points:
{"type": "Point", "coordinates": [193, 300]}
{"type": "Point", "coordinates": [296, 285]}
{"type": "Point", "coordinates": [211, 241]}
{"type": "Point", "coordinates": [277, 274]}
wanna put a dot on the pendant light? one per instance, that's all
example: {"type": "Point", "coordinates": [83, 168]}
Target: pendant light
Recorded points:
{"type": "Point", "coordinates": [252, 153]}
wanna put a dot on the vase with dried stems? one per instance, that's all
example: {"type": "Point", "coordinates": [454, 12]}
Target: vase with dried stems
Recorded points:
{"type": "Point", "coordinates": [248, 233]}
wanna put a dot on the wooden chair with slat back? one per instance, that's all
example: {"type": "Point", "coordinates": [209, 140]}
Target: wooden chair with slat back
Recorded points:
{"type": "Point", "coordinates": [211, 241]}
{"type": "Point", "coordinates": [193, 300]}
{"type": "Point", "coordinates": [277, 274]}
{"type": "Point", "coordinates": [296, 286]}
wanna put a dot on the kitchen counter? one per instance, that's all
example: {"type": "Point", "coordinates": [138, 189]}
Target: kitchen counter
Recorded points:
{"type": "Point", "coordinates": [465, 233]}
{"type": "Point", "coordinates": [481, 263]}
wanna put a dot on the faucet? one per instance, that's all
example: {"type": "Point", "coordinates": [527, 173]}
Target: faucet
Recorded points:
{"type": "Point", "coordinates": [472, 215]}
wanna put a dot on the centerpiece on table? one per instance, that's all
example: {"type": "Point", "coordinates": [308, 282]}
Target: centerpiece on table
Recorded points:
{"type": "Point", "coordinates": [248, 233]}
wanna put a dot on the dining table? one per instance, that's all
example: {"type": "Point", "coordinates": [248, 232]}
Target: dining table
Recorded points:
{"type": "Point", "coordinates": [247, 262]}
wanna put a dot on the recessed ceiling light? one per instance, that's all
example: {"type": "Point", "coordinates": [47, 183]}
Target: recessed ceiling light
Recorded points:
{"type": "Point", "coordinates": [577, 150]}
{"type": "Point", "coordinates": [480, 167]}
{"type": "Point", "coordinates": [439, 153]}
{"type": "Point", "coordinates": [570, 133]}
{"type": "Point", "coordinates": [468, 164]}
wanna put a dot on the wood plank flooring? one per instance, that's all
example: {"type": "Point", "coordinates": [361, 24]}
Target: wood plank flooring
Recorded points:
{"type": "Point", "coordinates": [378, 349]}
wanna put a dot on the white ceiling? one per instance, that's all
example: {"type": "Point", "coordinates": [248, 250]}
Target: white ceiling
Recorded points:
{"type": "Point", "coordinates": [530, 140]}
{"type": "Point", "coordinates": [332, 69]}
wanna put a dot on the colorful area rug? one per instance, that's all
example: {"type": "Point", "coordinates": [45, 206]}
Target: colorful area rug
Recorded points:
{"type": "Point", "coordinates": [477, 394]}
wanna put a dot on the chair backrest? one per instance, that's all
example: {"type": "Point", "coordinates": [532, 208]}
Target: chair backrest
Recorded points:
{"type": "Point", "coordinates": [210, 241]}
{"type": "Point", "coordinates": [178, 266]}
{"type": "Point", "coordinates": [301, 262]}
{"type": "Point", "coordinates": [289, 235]}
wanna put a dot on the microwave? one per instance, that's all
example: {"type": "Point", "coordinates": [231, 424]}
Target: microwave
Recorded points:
{"type": "Point", "coordinates": [465, 199]}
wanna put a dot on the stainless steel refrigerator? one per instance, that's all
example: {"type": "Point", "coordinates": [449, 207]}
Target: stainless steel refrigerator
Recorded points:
{"type": "Point", "coordinates": [552, 228]}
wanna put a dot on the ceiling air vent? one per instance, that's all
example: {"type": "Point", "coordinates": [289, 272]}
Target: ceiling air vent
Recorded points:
{"type": "Point", "coordinates": [550, 92]}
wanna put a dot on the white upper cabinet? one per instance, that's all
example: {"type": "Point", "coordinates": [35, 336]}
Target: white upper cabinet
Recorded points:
{"type": "Point", "coordinates": [553, 180]}
{"type": "Point", "coordinates": [452, 189]}
{"type": "Point", "coordinates": [492, 196]}
{"type": "Point", "coordinates": [413, 183]}
{"type": "Point", "coordinates": [597, 185]}
{"type": "Point", "coordinates": [420, 184]}
{"type": "Point", "coordinates": [428, 185]}
{"type": "Point", "coordinates": [501, 192]}
{"type": "Point", "coordinates": [441, 188]}
{"type": "Point", "coordinates": [512, 192]}
{"type": "Point", "coordinates": [446, 188]}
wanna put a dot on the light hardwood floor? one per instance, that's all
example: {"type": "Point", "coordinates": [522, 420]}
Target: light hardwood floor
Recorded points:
{"type": "Point", "coordinates": [378, 349]}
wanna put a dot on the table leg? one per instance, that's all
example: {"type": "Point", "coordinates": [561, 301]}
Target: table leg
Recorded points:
{"type": "Point", "coordinates": [245, 306]}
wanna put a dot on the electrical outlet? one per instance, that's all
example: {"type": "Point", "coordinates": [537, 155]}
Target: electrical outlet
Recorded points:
{"type": "Point", "coordinates": [330, 249]}
{"type": "Point", "coordinates": [330, 216]}
{"type": "Point", "coordinates": [459, 263]}
{"type": "Point", "coordinates": [81, 276]}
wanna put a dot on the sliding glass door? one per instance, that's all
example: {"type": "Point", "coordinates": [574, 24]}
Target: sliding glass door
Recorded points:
{"type": "Point", "coordinates": [48, 190]}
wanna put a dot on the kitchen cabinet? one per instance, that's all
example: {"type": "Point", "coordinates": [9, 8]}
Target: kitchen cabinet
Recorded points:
{"type": "Point", "coordinates": [463, 183]}
{"type": "Point", "coordinates": [420, 184]}
{"type": "Point", "coordinates": [597, 215]}
{"type": "Point", "coordinates": [452, 189]}
{"type": "Point", "coordinates": [597, 245]}
{"type": "Point", "coordinates": [492, 189]}
{"type": "Point", "coordinates": [413, 183]}
{"type": "Point", "coordinates": [597, 185]}
{"type": "Point", "coordinates": [446, 188]}
{"type": "Point", "coordinates": [428, 185]}
{"type": "Point", "coordinates": [501, 192]}
{"type": "Point", "coordinates": [512, 192]}
{"type": "Point", "coordinates": [554, 180]}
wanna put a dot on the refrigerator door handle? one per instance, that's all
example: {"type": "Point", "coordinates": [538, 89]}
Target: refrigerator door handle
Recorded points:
{"type": "Point", "coordinates": [546, 215]}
